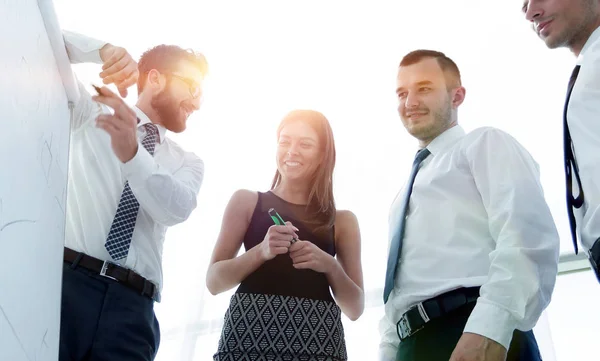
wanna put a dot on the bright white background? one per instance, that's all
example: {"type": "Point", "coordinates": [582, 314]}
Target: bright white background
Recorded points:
{"type": "Point", "coordinates": [340, 57]}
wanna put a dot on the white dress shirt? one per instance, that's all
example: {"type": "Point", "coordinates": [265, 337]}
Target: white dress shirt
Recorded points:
{"type": "Point", "coordinates": [477, 217]}
{"type": "Point", "coordinates": [165, 185]}
{"type": "Point", "coordinates": [583, 116]}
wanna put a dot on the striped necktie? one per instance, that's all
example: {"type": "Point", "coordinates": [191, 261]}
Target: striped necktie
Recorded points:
{"type": "Point", "coordinates": [119, 237]}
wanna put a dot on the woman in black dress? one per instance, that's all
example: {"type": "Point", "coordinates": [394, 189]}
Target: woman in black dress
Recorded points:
{"type": "Point", "coordinates": [283, 308]}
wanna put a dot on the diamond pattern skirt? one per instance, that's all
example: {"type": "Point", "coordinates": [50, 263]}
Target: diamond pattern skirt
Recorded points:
{"type": "Point", "coordinates": [262, 327]}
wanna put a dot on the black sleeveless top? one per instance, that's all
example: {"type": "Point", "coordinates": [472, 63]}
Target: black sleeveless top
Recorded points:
{"type": "Point", "coordinates": [278, 275]}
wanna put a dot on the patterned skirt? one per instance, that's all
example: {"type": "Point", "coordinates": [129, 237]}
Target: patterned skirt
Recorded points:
{"type": "Point", "coordinates": [262, 327]}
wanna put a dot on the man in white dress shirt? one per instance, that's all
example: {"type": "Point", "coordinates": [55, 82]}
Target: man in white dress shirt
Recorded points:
{"type": "Point", "coordinates": [128, 183]}
{"type": "Point", "coordinates": [473, 248]}
{"type": "Point", "coordinates": [575, 24]}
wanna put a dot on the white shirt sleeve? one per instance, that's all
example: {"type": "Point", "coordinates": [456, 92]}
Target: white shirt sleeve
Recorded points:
{"type": "Point", "coordinates": [82, 49]}
{"type": "Point", "coordinates": [584, 124]}
{"type": "Point", "coordinates": [388, 347]}
{"type": "Point", "coordinates": [85, 110]}
{"type": "Point", "coordinates": [524, 264]}
{"type": "Point", "coordinates": [168, 198]}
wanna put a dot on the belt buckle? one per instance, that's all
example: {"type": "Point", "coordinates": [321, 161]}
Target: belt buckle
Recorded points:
{"type": "Point", "coordinates": [104, 269]}
{"type": "Point", "coordinates": [404, 328]}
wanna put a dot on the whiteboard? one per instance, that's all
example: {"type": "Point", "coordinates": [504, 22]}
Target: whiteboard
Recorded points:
{"type": "Point", "coordinates": [37, 84]}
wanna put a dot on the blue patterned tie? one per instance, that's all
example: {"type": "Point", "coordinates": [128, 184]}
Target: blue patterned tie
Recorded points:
{"type": "Point", "coordinates": [396, 244]}
{"type": "Point", "coordinates": [121, 230]}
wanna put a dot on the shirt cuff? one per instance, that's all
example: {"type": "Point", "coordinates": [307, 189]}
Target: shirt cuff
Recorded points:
{"type": "Point", "coordinates": [493, 322]}
{"type": "Point", "coordinates": [140, 167]}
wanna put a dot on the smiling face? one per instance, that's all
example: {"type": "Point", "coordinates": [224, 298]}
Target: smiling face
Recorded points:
{"type": "Point", "coordinates": [170, 85]}
{"type": "Point", "coordinates": [179, 96]}
{"type": "Point", "coordinates": [306, 158]}
{"type": "Point", "coordinates": [298, 151]}
{"type": "Point", "coordinates": [563, 23]}
{"type": "Point", "coordinates": [425, 102]}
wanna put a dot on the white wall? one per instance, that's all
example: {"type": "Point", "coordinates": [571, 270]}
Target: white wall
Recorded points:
{"type": "Point", "coordinates": [34, 142]}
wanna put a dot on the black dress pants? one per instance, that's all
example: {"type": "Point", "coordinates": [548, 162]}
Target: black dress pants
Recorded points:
{"type": "Point", "coordinates": [102, 320]}
{"type": "Point", "coordinates": [437, 340]}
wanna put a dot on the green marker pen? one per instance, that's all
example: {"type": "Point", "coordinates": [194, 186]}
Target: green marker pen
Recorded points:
{"type": "Point", "coordinates": [279, 221]}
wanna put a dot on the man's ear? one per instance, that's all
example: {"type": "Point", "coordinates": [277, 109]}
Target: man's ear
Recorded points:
{"type": "Point", "coordinates": [458, 96]}
{"type": "Point", "coordinates": [155, 80]}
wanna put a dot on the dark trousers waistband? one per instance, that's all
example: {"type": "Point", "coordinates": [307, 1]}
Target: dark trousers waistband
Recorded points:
{"type": "Point", "coordinates": [439, 338]}
{"type": "Point", "coordinates": [113, 271]}
{"type": "Point", "coordinates": [419, 315]}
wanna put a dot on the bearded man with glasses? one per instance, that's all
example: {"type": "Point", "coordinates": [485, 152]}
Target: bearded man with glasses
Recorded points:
{"type": "Point", "coordinates": [128, 182]}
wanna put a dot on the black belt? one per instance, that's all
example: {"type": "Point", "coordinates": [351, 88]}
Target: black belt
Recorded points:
{"type": "Point", "coordinates": [113, 271]}
{"type": "Point", "coordinates": [419, 315]}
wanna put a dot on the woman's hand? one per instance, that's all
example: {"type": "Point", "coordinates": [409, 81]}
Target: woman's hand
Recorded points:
{"type": "Point", "coordinates": [278, 240]}
{"type": "Point", "coordinates": [307, 255]}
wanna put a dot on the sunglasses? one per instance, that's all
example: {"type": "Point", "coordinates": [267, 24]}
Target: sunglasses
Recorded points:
{"type": "Point", "coordinates": [194, 87]}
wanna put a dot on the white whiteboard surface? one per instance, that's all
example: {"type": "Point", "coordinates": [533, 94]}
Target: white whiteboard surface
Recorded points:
{"type": "Point", "coordinates": [34, 143]}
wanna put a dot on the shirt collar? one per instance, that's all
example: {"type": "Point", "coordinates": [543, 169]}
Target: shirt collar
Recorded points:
{"type": "Point", "coordinates": [144, 119]}
{"type": "Point", "coordinates": [588, 44]}
{"type": "Point", "coordinates": [446, 140]}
